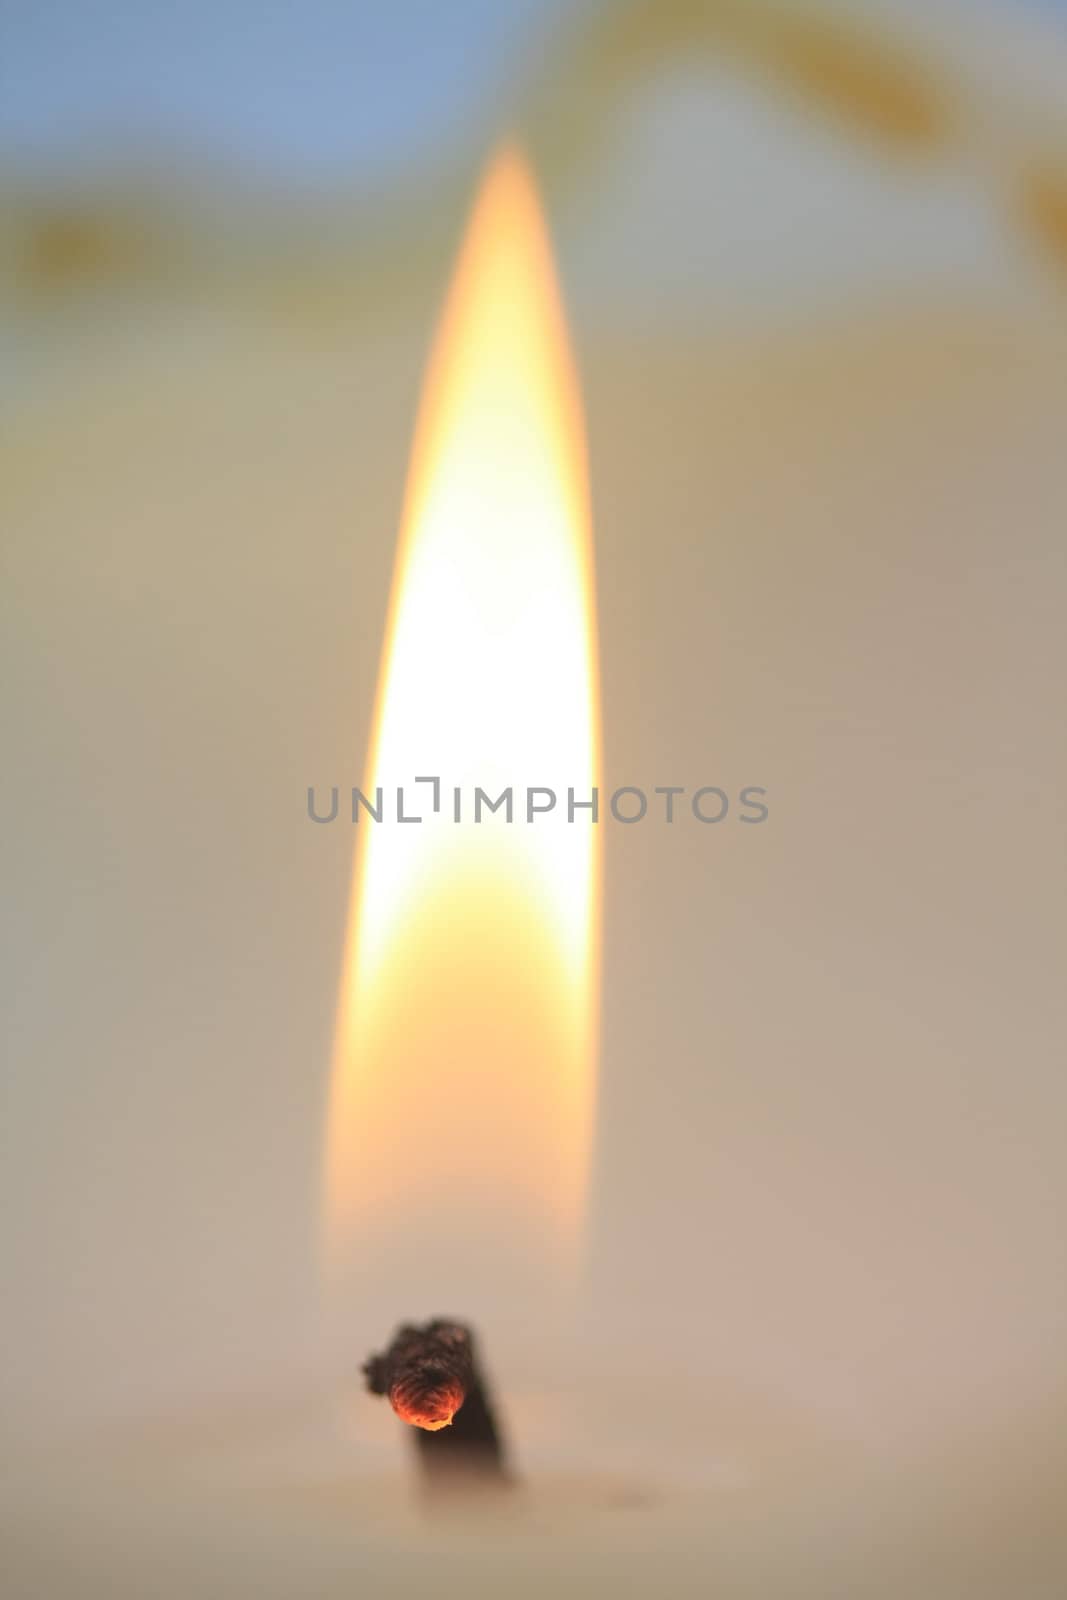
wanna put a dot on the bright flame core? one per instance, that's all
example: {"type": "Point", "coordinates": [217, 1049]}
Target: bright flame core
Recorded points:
{"type": "Point", "coordinates": [463, 1073]}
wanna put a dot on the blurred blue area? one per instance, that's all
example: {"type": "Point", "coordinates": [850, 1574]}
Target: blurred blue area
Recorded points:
{"type": "Point", "coordinates": [333, 90]}
{"type": "Point", "coordinates": [306, 93]}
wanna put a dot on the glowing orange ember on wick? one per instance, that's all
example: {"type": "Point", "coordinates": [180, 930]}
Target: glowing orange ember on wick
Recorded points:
{"type": "Point", "coordinates": [427, 1408]}
{"type": "Point", "coordinates": [426, 1372]}
{"type": "Point", "coordinates": [433, 1379]}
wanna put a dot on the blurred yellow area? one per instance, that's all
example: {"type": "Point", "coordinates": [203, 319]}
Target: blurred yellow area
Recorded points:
{"type": "Point", "coordinates": [884, 84]}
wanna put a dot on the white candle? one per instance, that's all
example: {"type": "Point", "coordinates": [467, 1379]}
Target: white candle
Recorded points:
{"type": "Point", "coordinates": [843, 1160]}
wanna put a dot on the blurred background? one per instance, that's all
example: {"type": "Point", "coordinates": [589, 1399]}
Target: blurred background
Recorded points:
{"type": "Point", "coordinates": [815, 259]}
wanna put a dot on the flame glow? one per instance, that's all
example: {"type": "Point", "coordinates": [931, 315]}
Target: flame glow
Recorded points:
{"type": "Point", "coordinates": [463, 1071]}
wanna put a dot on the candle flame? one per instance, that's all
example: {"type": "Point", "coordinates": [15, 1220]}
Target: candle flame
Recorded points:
{"type": "Point", "coordinates": [463, 1069]}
